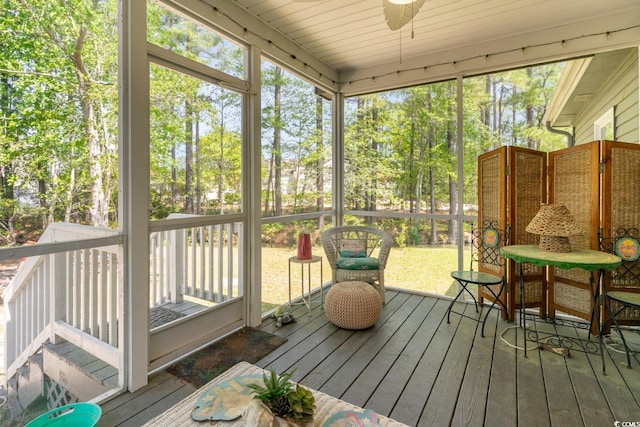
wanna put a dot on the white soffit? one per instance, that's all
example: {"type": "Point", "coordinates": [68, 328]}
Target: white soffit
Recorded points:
{"type": "Point", "coordinates": [569, 79]}
{"type": "Point", "coordinates": [352, 37]}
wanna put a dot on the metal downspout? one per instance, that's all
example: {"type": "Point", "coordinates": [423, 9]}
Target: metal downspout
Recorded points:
{"type": "Point", "coordinates": [570, 141]}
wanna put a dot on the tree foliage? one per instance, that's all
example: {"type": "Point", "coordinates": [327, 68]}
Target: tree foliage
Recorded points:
{"type": "Point", "coordinates": [296, 144]}
{"type": "Point", "coordinates": [58, 117]}
{"type": "Point", "coordinates": [59, 111]}
{"type": "Point", "coordinates": [401, 149]}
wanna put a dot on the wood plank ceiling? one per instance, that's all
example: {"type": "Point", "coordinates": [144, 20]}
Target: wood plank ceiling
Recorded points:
{"type": "Point", "coordinates": [352, 37]}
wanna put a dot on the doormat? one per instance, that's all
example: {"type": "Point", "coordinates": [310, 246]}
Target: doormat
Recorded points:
{"type": "Point", "coordinates": [158, 316]}
{"type": "Point", "coordinates": [248, 344]}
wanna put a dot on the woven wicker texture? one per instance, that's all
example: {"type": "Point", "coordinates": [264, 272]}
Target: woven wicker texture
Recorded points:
{"type": "Point", "coordinates": [624, 172]}
{"type": "Point", "coordinates": [377, 244]}
{"type": "Point", "coordinates": [572, 297]}
{"type": "Point", "coordinates": [527, 177]}
{"type": "Point", "coordinates": [353, 305]}
{"type": "Point", "coordinates": [490, 188]}
{"type": "Point", "coordinates": [627, 315]}
{"type": "Point", "coordinates": [572, 187]}
{"type": "Point", "coordinates": [575, 274]}
{"type": "Point", "coordinates": [532, 292]}
{"type": "Point", "coordinates": [625, 209]}
{"type": "Point", "coordinates": [553, 220]}
{"type": "Point", "coordinates": [180, 414]}
{"type": "Point", "coordinates": [554, 224]}
{"type": "Point", "coordinates": [529, 269]}
{"type": "Point", "coordinates": [625, 204]}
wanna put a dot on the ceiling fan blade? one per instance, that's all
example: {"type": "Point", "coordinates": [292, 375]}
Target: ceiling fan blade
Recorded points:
{"type": "Point", "coordinates": [398, 15]}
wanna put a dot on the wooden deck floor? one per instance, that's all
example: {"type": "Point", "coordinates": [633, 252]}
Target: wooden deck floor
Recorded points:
{"type": "Point", "coordinates": [417, 369]}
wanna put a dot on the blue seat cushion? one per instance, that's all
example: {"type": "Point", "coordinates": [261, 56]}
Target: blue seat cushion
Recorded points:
{"type": "Point", "coordinates": [362, 263]}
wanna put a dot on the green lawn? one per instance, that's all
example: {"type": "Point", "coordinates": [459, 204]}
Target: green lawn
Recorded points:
{"type": "Point", "coordinates": [425, 269]}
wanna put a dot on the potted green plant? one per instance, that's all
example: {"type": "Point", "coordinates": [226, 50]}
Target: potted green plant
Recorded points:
{"type": "Point", "coordinates": [284, 399]}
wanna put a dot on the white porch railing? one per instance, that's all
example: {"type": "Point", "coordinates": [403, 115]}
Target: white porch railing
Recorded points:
{"type": "Point", "coordinates": [201, 261]}
{"type": "Point", "coordinates": [70, 285]}
{"type": "Point", "coordinates": [71, 291]}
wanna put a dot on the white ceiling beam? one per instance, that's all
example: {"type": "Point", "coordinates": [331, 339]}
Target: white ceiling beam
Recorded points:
{"type": "Point", "coordinates": [569, 41]}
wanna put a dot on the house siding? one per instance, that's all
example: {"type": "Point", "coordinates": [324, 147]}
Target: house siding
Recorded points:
{"type": "Point", "coordinates": [620, 90]}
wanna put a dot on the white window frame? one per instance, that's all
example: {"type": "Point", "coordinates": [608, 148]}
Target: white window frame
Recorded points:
{"type": "Point", "coordinates": [600, 124]}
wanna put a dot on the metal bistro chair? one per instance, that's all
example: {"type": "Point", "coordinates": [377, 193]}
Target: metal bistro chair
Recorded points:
{"type": "Point", "coordinates": [486, 242]}
{"type": "Point", "coordinates": [621, 288]}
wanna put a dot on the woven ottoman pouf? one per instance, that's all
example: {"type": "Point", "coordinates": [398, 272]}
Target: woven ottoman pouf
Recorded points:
{"type": "Point", "coordinates": [353, 305]}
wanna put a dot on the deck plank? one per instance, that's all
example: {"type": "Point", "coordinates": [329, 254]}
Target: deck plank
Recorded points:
{"type": "Point", "coordinates": [370, 378]}
{"type": "Point", "coordinates": [502, 406]}
{"type": "Point", "coordinates": [563, 406]}
{"type": "Point", "coordinates": [343, 377]}
{"type": "Point", "coordinates": [472, 400]}
{"type": "Point", "coordinates": [417, 369]}
{"type": "Point", "coordinates": [590, 397]}
{"type": "Point", "coordinates": [162, 392]}
{"type": "Point", "coordinates": [616, 391]}
{"type": "Point", "coordinates": [388, 391]}
{"type": "Point", "coordinates": [420, 386]}
{"type": "Point", "coordinates": [328, 367]}
{"type": "Point", "coordinates": [444, 394]}
{"type": "Point", "coordinates": [532, 399]}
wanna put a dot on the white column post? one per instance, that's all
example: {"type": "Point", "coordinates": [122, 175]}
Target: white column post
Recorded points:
{"type": "Point", "coordinates": [253, 193]}
{"type": "Point", "coordinates": [460, 186]}
{"type": "Point", "coordinates": [337, 162]}
{"type": "Point", "coordinates": [58, 279]}
{"type": "Point", "coordinates": [134, 190]}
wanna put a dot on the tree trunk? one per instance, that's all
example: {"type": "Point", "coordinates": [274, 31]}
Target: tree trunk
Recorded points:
{"type": "Point", "coordinates": [514, 121]}
{"type": "Point", "coordinates": [268, 190]}
{"type": "Point", "coordinates": [277, 144]}
{"type": "Point", "coordinates": [70, 191]}
{"type": "Point", "coordinates": [485, 112]}
{"type": "Point", "coordinates": [188, 166]}
{"type": "Point", "coordinates": [221, 162]}
{"type": "Point", "coordinates": [530, 116]}
{"type": "Point", "coordinates": [370, 194]}
{"type": "Point", "coordinates": [99, 206]}
{"type": "Point", "coordinates": [6, 169]}
{"type": "Point", "coordinates": [110, 166]}
{"type": "Point", "coordinates": [174, 179]}
{"type": "Point", "coordinates": [42, 193]}
{"type": "Point", "coordinates": [452, 232]}
{"type": "Point", "coordinates": [432, 192]}
{"type": "Point", "coordinates": [412, 183]}
{"type": "Point", "coordinates": [198, 207]}
{"type": "Point", "coordinates": [320, 164]}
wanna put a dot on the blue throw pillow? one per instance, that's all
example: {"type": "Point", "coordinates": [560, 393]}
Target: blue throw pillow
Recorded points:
{"type": "Point", "coordinates": [352, 248]}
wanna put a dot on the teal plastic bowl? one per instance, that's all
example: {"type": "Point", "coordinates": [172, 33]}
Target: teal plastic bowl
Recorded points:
{"type": "Point", "coordinates": [73, 415]}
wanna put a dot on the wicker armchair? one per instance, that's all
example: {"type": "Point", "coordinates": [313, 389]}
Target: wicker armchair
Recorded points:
{"type": "Point", "coordinates": [374, 245]}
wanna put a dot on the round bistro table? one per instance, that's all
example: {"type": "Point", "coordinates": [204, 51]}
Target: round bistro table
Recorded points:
{"type": "Point", "coordinates": [586, 259]}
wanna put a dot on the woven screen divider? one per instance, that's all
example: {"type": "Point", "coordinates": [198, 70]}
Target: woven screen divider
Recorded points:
{"type": "Point", "coordinates": [622, 211]}
{"type": "Point", "coordinates": [528, 183]}
{"type": "Point", "coordinates": [490, 187]}
{"type": "Point", "coordinates": [575, 184]}
{"type": "Point", "coordinates": [625, 197]}
{"type": "Point", "coordinates": [533, 293]}
{"type": "Point", "coordinates": [572, 297]}
{"type": "Point", "coordinates": [492, 197]}
{"type": "Point", "coordinates": [528, 177]}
